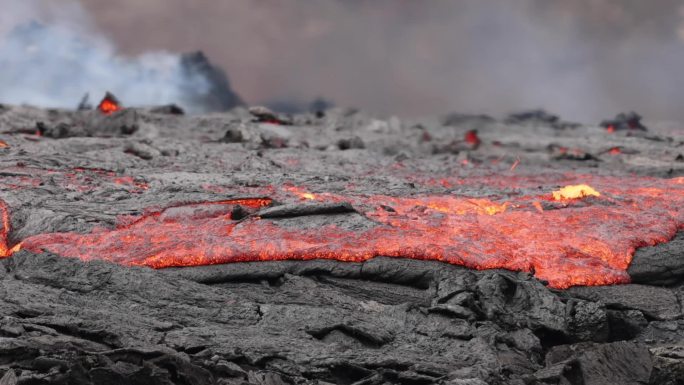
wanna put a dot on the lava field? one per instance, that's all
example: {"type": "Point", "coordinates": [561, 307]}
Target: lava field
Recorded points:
{"type": "Point", "coordinates": [145, 246]}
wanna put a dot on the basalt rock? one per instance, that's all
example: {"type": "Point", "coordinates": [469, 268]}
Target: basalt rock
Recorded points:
{"type": "Point", "coordinates": [383, 320]}
{"type": "Point", "coordinates": [539, 117]}
{"type": "Point", "coordinates": [219, 96]}
{"type": "Point", "coordinates": [613, 363]}
{"type": "Point", "coordinates": [624, 121]}
{"type": "Point", "coordinates": [90, 123]}
{"type": "Point", "coordinates": [170, 109]}
{"type": "Point", "coordinates": [265, 115]}
{"type": "Point", "coordinates": [661, 264]}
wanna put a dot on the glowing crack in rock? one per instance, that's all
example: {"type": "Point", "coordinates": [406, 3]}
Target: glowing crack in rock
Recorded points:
{"type": "Point", "coordinates": [4, 233]}
{"type": "Point", "coordinates": [583, 234]}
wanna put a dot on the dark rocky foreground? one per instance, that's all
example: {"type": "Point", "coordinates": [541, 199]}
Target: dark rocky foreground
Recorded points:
{"type": "Point", "coordinates": [294, 322]}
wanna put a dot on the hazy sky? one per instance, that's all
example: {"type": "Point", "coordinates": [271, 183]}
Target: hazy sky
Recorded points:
{"type": "Point", "coordinates": [584, 59]}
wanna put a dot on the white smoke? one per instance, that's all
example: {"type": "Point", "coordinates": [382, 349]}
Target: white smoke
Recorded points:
{"type": "Point", "coordinates": [583, 59]}
{"type": "Point", "coordinates": [50, 56]}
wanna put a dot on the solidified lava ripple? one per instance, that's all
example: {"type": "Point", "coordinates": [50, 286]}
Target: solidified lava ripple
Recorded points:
{"type": "Point", "coordinates": [588, 240]}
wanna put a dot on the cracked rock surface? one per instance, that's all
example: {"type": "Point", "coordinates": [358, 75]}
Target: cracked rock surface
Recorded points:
{"type": "Point", "coordinates": [384, 321]}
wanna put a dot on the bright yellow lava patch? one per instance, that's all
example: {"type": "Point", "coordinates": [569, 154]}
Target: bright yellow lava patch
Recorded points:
{"type": "Point", "coordinates": [575, 192]}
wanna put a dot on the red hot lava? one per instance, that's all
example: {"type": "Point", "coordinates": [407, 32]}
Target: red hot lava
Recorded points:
{"type": "Point", "coordinates": [583, 234]}
{"type": "Point", "coordinates": [109, 104]}
{"type": "Point", "coordinates": [472, 138]}
{"type": "Point", "coordinates": [4, 233]}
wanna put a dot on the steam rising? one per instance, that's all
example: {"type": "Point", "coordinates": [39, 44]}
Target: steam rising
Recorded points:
{"type": "Point", "coordinates": [52, 57]}
{"type": "Point", "coordinates": [583, 59]}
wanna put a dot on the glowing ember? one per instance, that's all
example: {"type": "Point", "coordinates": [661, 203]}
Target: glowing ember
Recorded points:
{"type": "Point", "coordinates": [109, 104]}
{"type": "Point", "coordinates": [472, 138]}
{"type": "Point", "coordinates": [301, 193]}
{"type": "Point", "coordinates": [3, 144]}
{"type": "Point", "coordinates": [610, 128]}
{"type": "Point", "coordinates": [575, 192]}
{"type": "Point", "coordinates": [615, 151]}
{"type": "Point", "coordinates": [515, 164]}
{"type": "Point", "coordinates": [4, 233]}
{"type": "Point", "coordinates": [537, 205]}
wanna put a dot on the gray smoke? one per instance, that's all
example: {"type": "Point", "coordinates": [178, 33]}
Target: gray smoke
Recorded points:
{"type": "Point", "coordinates": [50, 56]}
{"type": "Point", "coordinates": [583, 59]}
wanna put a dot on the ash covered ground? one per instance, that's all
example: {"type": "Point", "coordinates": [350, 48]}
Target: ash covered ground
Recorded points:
{"type": "Point", "coordinates": [79, 188]}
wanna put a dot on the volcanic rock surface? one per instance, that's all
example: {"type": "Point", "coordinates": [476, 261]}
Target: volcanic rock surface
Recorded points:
{"type": "Point", "coordinates": [337, 248]}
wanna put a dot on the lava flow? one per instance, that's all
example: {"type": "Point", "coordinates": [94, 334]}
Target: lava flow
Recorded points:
{"type": "Point", "coordinates": [4, 233]}
{"type": "Point", "coordinates": [561, 236]}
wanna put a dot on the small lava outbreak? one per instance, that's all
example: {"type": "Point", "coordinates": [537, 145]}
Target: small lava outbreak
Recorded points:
{"type": "Point", "coordinates": [4, 214]}
{"type": "Point", "coordinates": [109, 104]}
{"type": "Point", "coordinates": [584, 231]}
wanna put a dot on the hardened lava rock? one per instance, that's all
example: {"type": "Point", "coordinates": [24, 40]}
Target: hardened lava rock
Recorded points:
{"type": "Point", "coordinates": [624, 121]}
{"type": "Point", "coordinates": [65, 320]}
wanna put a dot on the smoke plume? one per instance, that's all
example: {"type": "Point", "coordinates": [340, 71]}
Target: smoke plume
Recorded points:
{"type": "Point", "coordinates": [51, 55]}
{"type": "Point", "coordinates": [583, 59]}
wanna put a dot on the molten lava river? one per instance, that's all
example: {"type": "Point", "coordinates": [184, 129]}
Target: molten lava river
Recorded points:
{"type": "Point", "coordinates": [579, 230]}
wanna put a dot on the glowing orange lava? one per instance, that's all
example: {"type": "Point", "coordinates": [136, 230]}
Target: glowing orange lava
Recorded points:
{"type": "Point", "coordinates": [109, 105]}
{"type": "Point", "coordinates": [558, 235]}
{"type": "Point", "coordinates": [4, 233]}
